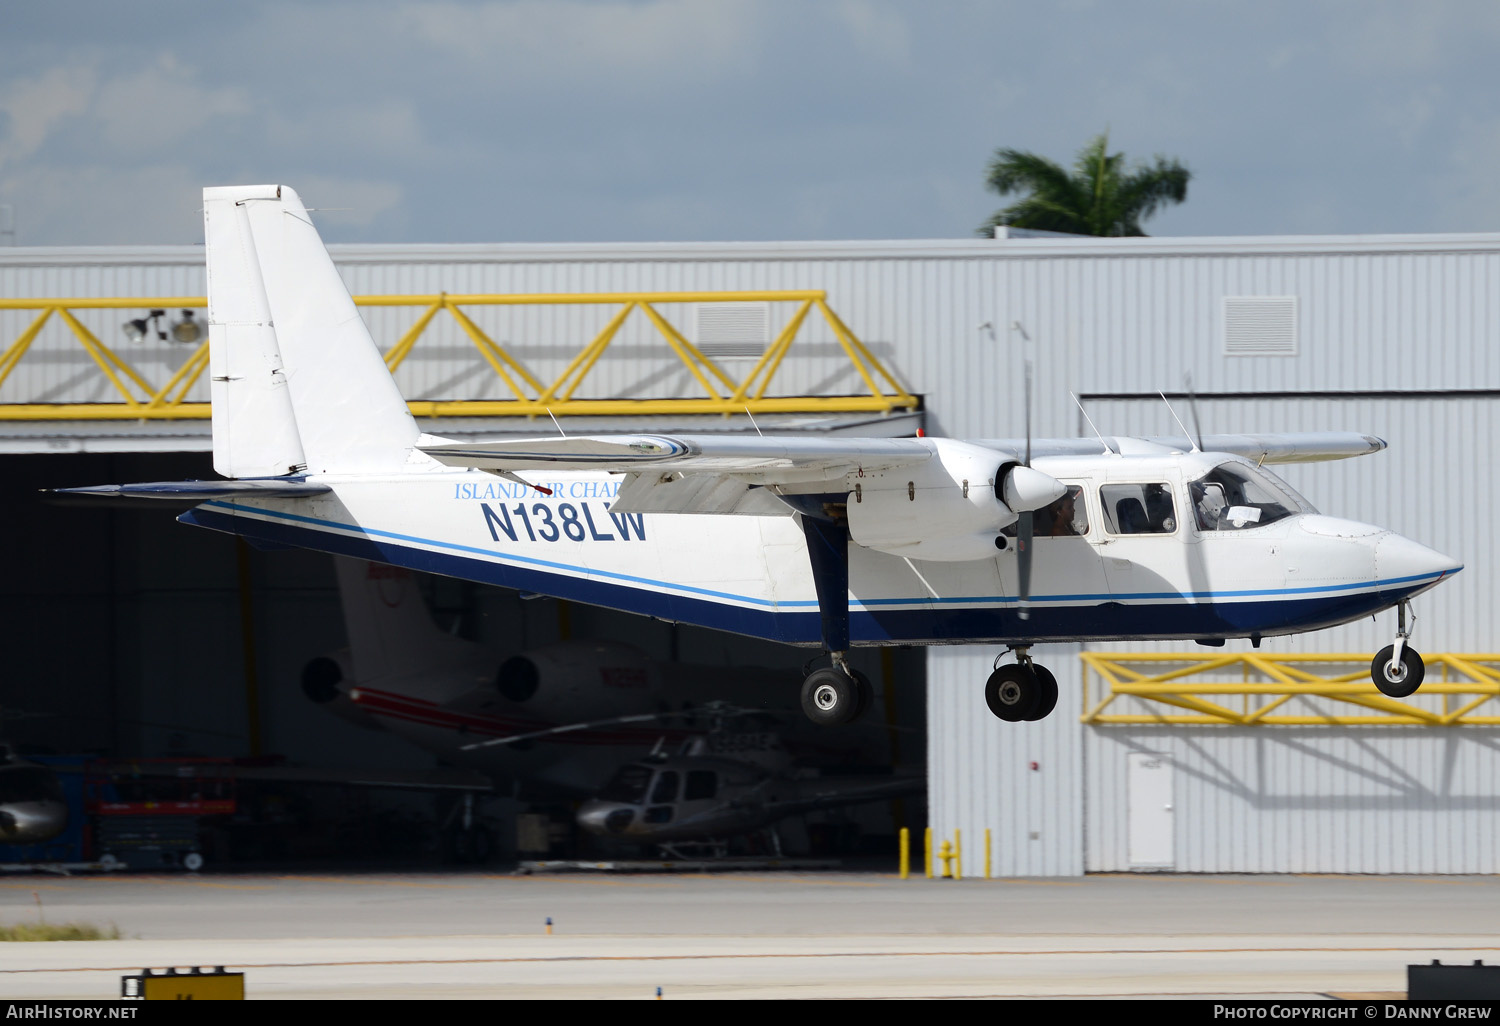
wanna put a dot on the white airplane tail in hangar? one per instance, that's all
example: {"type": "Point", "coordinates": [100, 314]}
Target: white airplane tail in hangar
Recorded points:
{"type": "Point", "coordinates": [298, 384]}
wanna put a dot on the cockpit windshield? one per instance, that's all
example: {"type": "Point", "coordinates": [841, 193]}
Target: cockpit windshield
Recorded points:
{"type": "Point", "coordinates": [1235, 497]}
{"type": "Point", "coordinates": [628, 785]}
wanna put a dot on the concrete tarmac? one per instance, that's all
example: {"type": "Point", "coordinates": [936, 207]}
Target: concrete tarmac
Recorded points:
{"type": "Point", "coordinates": [813, 935]}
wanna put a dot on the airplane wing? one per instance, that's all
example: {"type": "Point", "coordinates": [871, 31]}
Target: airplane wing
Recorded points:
{"type": "Point", "coordinates": [726, 474]}
{"type": "Point", "coordinates": [1288, 447]}
{"type": "Point", "coordinates": [761, 460]}
{"type": "Point", "coordinates": [692, 473]}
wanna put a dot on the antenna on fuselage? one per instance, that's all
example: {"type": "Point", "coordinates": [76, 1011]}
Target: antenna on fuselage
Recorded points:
{"type": "Point", "coordinates": [1196, 446]}
{"type": "Point", "coordinates": [1193, 405]}
{"type": "Point", "coordinates": [1107, 447]}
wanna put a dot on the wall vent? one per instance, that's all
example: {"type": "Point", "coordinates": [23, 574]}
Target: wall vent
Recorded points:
{"type": "Point", "coordinates": [732, 329]}
{"type": "Point", "coordinates": [1260, 325]}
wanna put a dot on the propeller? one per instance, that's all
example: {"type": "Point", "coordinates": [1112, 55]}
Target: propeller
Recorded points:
{"type": "Point", "coordinates": [1026, 525]}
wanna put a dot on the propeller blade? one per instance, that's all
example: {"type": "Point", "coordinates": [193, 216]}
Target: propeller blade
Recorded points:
{"type": "Point", "coordinates": [1023, 564]}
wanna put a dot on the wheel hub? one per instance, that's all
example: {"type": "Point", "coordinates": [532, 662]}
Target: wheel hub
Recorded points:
{"type": "Point", "coordinates": [1010, 692]}
{"type": "Point", "coordinates": [825, 697]}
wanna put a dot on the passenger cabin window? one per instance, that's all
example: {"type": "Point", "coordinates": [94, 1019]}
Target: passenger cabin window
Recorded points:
{"type": "Point", "coordinates": [1234, 497]}
{"type": "Point", "coordinates": [1138, 508]}
{"type": "Point", "coordinates": [1066, 518]}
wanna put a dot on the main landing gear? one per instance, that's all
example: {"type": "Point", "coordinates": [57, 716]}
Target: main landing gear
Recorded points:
{"type": "Point", "coordinates": [1022, 691]}
{"type": "Point", "coordinates": [836, 694]}
{"type": "Point", "coordinates": [1397, 669]}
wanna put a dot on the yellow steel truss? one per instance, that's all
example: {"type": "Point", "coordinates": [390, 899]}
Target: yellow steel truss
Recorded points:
{"type": "Point", "coordinates": [529, 395]}
{"type": "Point", "coordinates": [1249, 689]}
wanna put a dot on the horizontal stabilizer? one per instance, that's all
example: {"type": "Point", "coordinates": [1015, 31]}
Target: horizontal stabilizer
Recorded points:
{"type": "Point", "coordinates": [198, 491]}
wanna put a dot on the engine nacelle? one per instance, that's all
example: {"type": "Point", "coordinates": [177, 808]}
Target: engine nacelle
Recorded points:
{"type": "Point", "coordinates": [949, 509]}
{"type": "Point", "coordinates": [575, 681]}
{"type": "Point", "coordinates": [326, 681]}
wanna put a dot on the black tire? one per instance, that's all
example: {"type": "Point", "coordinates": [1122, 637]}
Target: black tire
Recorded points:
{"type": "Point", "coordinates": [1403, 684]}
{"type": "Point", "coordinates": [1012, 693]}
{"type": "Point", "coordinates": [1047, 696]}
{"type": "Point", "coordinates": [830, 697]}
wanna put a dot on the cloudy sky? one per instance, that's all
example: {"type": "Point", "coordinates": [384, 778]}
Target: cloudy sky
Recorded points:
{"type": "Point", "coordinates": [574, 120]}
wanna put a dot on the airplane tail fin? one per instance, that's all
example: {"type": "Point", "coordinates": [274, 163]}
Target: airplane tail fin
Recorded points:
{"type": "Point", "coordinates": [298, 383]}
{"type": "Point", "coordinates": [391, 631]}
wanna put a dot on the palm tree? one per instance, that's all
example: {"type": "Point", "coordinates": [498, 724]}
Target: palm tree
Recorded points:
{"type": "Point", "coordinates": [1100, 197]}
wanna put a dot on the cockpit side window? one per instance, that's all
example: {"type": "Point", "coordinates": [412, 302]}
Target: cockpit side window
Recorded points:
{"type": "Point", "coordinates": [666, 787]}
{"type": "Point", "coordinates": [1138, 508]}
{"type": "Point", "coordinates": [701, 784]}
{"type": "Point", "coordinates": [1235, 497]}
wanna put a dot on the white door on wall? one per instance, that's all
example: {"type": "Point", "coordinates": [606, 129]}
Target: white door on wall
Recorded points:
{"type": "Point", "coordinates": [1151, 840]}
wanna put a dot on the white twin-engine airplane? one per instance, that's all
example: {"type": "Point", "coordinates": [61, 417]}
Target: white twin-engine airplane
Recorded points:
{"type": "Point", "coordinates": [831, 542]}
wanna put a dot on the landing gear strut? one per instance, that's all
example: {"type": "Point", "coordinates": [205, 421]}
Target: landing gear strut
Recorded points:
{"type": "Point", "coordinates": [1022, 691]}
{"type": "Point", "coordinates": [835, 694]}
{"type": "Point", "coordinates": [1397, 669]}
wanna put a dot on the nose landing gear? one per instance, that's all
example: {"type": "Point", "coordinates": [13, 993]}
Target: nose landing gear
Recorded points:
{"type": "Point", "coordinates": [1397, 669]}
{"type": "Point", "coordinates": [1022, 691]}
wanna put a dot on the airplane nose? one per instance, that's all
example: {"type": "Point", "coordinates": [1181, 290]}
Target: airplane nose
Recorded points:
{"type": "Point", "coordinates": [1402, 562]}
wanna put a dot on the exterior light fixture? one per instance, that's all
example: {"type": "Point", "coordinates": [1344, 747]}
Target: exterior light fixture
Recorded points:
{"type": "Point", "coordinates": [186, 330]}
{"type": "Point", "coordinates": [137, 329]}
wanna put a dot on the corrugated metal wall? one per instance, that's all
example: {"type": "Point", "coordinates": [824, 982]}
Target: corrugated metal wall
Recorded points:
{"type": "Point", "coordinates": [1120, 318]}
{"type": "Point", "coordinates": [1304, 799]}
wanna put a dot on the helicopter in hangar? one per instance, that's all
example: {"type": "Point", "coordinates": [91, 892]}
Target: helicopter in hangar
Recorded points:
{"type": "Point", "coordinates": [33, 807]}
{"type": "Point", "coordinates": [736, 778]}
{"type": "Point", "coordinates": [827, 543]}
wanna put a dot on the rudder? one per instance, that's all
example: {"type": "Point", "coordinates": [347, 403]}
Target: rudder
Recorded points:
{"type": "Point", "coordinates": [302, 384]}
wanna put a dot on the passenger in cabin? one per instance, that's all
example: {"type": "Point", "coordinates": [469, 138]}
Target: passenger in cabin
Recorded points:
{"type": "Point", "coordinates": [1061, 518]}
{"type": "Point", "coordinates": [1159, 511]}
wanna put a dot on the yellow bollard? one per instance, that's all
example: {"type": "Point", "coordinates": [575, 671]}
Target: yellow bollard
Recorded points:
{"type": "Point", "coordinates": [958, 854]}
{"type": "Point", "coordinates": [986, 853]}
{"type": "Point", "coordinates": [905, 853]}
{"type": "Point", "coordinates": [927, 851]}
